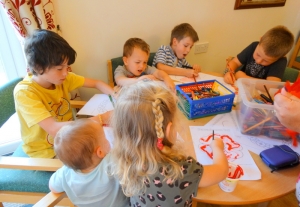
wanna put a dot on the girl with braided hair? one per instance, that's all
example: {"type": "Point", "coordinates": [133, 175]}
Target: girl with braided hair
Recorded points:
{"type": "Point", "coordinates": [150, 169]}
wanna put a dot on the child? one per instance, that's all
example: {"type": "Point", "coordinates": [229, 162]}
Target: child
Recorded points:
{"type": "Point", "coordinates": [135, 57]}
{"type": "Point", "coordinates": [264, 59]}
{"type": "Point", "coordinates": [82, 147]}
{"type": "Point", "coordinates": [42, 99]}
{"type": "Point", "coordinates": [150, 169]}
{"type": "Point", "coordinates": [171, 59]}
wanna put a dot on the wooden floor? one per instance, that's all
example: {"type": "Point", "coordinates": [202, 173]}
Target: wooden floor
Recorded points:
{"type": "Point", "coordinates": [286, 201]}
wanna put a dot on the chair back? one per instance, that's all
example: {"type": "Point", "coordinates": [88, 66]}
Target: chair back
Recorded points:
{"type": "Point", "coordinates": [113, 63]}
{"type": "Point", "coordinates": [290, 74]}
{"type": "Point", "coordinates": [295, 57]}
{"type": "Point", "coordinates": [7, 100]}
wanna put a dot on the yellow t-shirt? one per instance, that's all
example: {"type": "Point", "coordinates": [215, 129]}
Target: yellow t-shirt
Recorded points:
{"type": "Point", "coordinates": [34, 103]}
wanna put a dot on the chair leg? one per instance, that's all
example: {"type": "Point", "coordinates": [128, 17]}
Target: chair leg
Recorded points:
{"type": "Point", "coordinates": [1, 205]}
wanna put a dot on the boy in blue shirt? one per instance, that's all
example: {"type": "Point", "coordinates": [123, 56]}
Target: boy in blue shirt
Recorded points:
{"type": "Point", "coordinates": [171, 58]}
{"type": "Point", "coordinates": [264, 59]}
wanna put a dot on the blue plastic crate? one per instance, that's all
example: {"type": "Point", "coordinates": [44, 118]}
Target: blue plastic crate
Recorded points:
{"type": "Point", "coordinates": [207, 106]}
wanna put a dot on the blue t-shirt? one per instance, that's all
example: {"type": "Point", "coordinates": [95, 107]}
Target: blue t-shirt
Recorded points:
{"type": "Point", "coordinates": [91, 189]}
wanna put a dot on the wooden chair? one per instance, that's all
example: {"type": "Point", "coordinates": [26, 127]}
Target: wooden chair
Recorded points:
{"type": "Point", "coordinates": [290, 74]}
{"type": "Point", "coordinates": [295, 58]}
{"type": "Point", "coordinates": [51, 199]}
{"type": "Point", "coordinates": [24, 179]}
{"type": "Point", "coordinates": [112, 64]}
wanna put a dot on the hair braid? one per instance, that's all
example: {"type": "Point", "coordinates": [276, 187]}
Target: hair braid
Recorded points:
{"type": "Point", "coordinates": [159, 118]}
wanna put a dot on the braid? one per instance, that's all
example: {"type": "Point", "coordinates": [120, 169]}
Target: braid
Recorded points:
{"type": "Point", "coordinates": [159, 118]}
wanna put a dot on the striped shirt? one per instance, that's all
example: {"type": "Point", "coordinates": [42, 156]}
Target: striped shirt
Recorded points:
{"type": "Point", "coordinates": [165, 55]}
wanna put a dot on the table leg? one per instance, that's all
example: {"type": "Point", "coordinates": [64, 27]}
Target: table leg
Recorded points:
{"type": "Point", "coordinates": [264, 204]}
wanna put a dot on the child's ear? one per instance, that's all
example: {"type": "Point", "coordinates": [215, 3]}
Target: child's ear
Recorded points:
{"type": "Point", "coordinates": [100, 153]}
{"type": "Point", "coordinates": [125, 60]}
{"type": "Point", "coordinates": [174, 41]}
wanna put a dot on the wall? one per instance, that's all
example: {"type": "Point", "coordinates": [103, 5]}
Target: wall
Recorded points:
{"type": "Point", "coordinates": [98, 29]}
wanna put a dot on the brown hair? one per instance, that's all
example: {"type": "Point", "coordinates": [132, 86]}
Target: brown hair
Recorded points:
{"type": "Point", "coordinates": [184, 30]}
{"type": "Point", "coordinates": [131, 43]}
{"type": "Point", "coordinates": [45, 49]}
{"type": "Point", "coordinates": [75, 143]}
{"type": "Point", "coordinates": [277, 42]}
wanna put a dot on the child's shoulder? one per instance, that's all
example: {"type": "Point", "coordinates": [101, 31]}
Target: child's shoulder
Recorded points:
{"type": "Point", "coordinates": [191, 165]}
{"type": "Point", "coordinates": [165, 47]}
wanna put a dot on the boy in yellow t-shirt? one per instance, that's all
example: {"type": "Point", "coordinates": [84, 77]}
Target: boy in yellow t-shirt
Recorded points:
{"type": "Point", "coordinates": [42, 99]}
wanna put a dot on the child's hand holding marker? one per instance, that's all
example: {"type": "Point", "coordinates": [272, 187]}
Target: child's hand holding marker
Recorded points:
{"type": "Point", "coordinates": [192, 73]}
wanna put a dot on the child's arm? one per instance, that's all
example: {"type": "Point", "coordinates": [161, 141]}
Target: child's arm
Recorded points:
{"type": "Point", "coordinates": [52, 127]}
{"type": "Point", "coordinates": [52, 190]}
{"type": "Point", "coordinates": [218, 171]}
{"type": "Point", "coordinates": [231, 66]}
{"type": "Point", "coordinates": [98, 84]}
{"type": "Point", "coordinates": [241, 74]}
{"type": "Point", "coordinates": [55, 182]}
{"type": "Point", "coordinates": [124, 81]}
{"type": "Point", "coordinates": [162, 75]}
{"type": "Point", "coordinates": [177, 71]}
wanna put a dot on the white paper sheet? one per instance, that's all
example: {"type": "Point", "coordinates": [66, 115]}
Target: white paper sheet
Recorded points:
{"type": "Point", "coordinates": [236, 153]}
{"type": "Point", "coordinates": [98, 104]}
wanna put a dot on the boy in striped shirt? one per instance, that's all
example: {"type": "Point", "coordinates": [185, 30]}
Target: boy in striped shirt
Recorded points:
{"type": "Point", "coordinates": [171, 58]}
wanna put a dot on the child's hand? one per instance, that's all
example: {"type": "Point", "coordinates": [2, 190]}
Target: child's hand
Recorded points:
{"type": "Point", "coordinates": [197, 68]}
{"type": "Point", "coordinates": [217, 144]}
{"type": "Point", "coordinates": [150, 77]}
{"type": "Point", "coordinates": [170, 84]}
{"type": "Point", "coordinates": [190, 73]}
{"type": "Point", "coordinates": [229, 78]}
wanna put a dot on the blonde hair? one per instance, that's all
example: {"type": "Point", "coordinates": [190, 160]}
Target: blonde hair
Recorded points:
{"type": "Point", "coordinates": [141, 115]}
{"type": "Point", "coordinates": [277, 42]}
{"type": "Point", "coordinates": [182, 31]}
{"type": "Point", "coordinates": [131, 43]}
{"type": "Point", "coordinates": [75, 143]}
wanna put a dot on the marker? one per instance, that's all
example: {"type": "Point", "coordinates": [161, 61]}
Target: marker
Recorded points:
{"type": "Point", "coordinates": [270, 98]}
{"type": "Point", "coordinates": [266, 98]}
{"type": "Point", "coordinates": [110, 98]}
{"type": "Point", "coordinates": [213, 134]}
{"type": "Point", "coordinates": [186, 66]}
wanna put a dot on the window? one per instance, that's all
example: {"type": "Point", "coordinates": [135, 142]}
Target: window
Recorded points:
{"type": "Point", "coordinates": [12, 58]}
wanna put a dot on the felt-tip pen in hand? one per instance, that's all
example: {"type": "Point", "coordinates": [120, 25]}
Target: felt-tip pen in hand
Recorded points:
{"type": "Point", "coordinates": [187, 66]}
{"type": "Point", "coordinates": [213, 134]}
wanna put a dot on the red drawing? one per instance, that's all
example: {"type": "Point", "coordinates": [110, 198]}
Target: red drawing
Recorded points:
{"type": "Point", "coordinates": [232, 148]}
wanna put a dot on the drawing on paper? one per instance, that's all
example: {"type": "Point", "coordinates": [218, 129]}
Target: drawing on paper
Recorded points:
{"type": "Point", "coordinates": [232, 149]}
